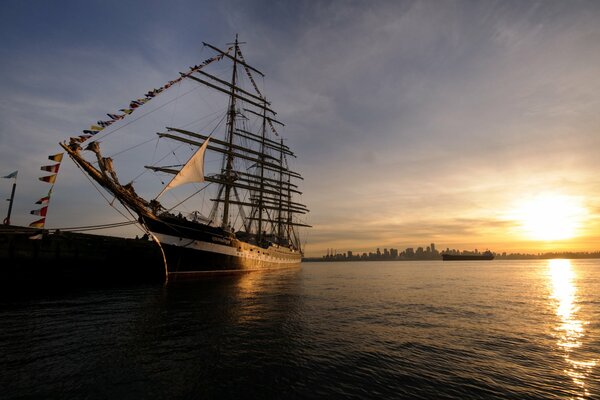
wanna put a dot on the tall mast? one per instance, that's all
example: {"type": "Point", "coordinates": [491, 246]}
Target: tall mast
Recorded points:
{"type": "Point", "coordinates": [262, 175]}
{"type": "Point", "coordinates": [289, 227]}
{"type": "Point", "coordinates": [230, 130]}
{"type": "Point", "coordinates": [279, 211]}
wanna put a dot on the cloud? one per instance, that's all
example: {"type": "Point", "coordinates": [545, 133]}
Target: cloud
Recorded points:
{"type": "Point", "coordinates": [410, 119]}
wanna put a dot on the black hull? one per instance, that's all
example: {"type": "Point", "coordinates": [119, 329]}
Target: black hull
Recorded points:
{"type": "Point", "coordinates": [188, 262]}
{"type": "Point", "coordinates": [195, 250]}
{"type": "Point", "coordinates": [74, 260]}
{"type": "Point", "coordinates": [456, 257]}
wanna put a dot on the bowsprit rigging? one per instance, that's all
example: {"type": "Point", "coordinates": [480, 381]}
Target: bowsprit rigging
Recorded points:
{"type": "Point", "coordinates": [254, 219]}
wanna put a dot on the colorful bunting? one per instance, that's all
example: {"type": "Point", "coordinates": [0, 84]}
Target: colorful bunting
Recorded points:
{"type": "Point", "coordinates": [50, 168]}
{"type": "Point", "coordinates": [100, 125]}
{"type": "Point", "coordinates": [56, 157]}
{"type": "Point", "coordinates": [137, 103]}
{"type": "Point", "coordinates": [43, 200]}
{"type": "Point", "coordinates": [42, 211]}
{"type": "Point", "coordinates": [134, 104]}
{"type": "Point", "coordinates": [39, 223]}
{"type": "Point", "coordinates": [115, 117]}
{"type": "Point", "coordinates": [96, 128]}
{"type": "Point", "coordinates": [50, 178]}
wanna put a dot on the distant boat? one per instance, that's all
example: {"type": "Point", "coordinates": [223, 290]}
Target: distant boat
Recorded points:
{"type": "Point", "coordinates": [468, 257]}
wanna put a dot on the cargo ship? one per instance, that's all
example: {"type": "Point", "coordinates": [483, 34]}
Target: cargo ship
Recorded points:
{"type": "Point", "coordinates": [487, 255]}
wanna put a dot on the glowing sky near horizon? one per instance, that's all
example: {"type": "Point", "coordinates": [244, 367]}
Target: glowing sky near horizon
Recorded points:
{"type": "Point", "coordinates": [413, 121]}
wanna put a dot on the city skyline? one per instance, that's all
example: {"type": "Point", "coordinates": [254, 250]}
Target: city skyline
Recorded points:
{"type": "Point", "coordinates": [432, 253]}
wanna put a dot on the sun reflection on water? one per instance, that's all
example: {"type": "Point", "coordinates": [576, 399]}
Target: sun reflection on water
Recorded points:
{"type": "Point", "coordinates": [571, 329]}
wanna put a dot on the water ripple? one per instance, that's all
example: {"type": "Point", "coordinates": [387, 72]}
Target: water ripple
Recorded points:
{"type": "Point", "coordinates": [357, 330]}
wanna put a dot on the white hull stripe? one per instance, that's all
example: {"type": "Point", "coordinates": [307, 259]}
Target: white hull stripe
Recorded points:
{"type": "Point", "coordinates": [258, 255]}
{"type": "Point", "coordinates": [223, 271]}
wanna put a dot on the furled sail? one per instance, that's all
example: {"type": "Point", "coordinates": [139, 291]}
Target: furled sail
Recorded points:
{"type": "Point", "coordinates": [192, 171]}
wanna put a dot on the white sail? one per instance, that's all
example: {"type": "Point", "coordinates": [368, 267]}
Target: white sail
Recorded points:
{"type": "Point", "coordinates": [192, 171]}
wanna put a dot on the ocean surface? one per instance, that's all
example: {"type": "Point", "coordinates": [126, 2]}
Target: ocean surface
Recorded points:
{"type": "Point", "coordinates": [357, 330]}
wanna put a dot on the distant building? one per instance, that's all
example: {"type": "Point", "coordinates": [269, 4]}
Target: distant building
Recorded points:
{"type": "Point", "coordinates": [428, 253]}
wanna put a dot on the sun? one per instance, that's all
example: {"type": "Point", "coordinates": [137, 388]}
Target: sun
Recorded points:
{"type": "Point", "coordinates": [550, 217]}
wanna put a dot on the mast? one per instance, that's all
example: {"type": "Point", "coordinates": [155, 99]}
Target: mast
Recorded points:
{"type": "Point", "coordinates": [280, 210]}
{"type": "Point", "coordinates": [230, 130]}
{"type": "Point", "coordinates": [290, 227]}
{"type": "Point", "coordinates": [10, 204]}
{"type": "Point", "coordinates": [254, 172]}
{"type": "Point", "coordinates": [262, 176]}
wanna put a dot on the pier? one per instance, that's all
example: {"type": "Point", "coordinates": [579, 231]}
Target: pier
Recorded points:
{"type": "Point", "coordinates": [41, 259]}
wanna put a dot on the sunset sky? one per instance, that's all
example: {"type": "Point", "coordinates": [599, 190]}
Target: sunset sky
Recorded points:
{"type": "Point", "coordinates": [470, 124]}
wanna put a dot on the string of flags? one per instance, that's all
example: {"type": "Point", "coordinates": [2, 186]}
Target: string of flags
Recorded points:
{"type": "Point", "coordinates": [57, 158]}
{"type": "Point", "coordinates": [134, 104]}
{"type": "Point", "coordinates": [99, 126]}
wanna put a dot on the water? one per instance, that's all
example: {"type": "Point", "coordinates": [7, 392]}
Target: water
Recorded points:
{"type": "Point", "coordinates": [500, 329]}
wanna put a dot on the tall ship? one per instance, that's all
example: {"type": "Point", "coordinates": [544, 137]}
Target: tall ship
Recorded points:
{"type": "Point", "coordinates": [235, 184]}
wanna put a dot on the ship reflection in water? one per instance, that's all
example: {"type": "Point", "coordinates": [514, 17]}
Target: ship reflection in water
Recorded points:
{"type": "Point", "coordinates": [570, 332]}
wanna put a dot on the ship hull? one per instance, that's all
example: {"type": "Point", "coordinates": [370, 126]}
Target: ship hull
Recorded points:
{"type": "Point", "coordinates": [195, 250]}
{"type": "Point", "coordinates": [67, 259]}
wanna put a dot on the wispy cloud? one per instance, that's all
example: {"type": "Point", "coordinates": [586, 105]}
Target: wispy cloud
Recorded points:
{"type": "Point", "coordinates": [412, 120]}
